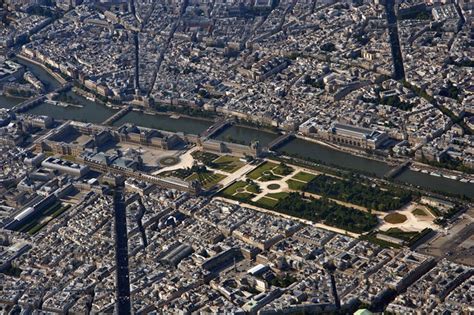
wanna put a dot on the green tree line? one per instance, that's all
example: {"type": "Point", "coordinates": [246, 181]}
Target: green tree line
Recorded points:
{"type": "Point", "coordinates": [353, 191]}
{"type": "Point", "coordinates": [327, 212]}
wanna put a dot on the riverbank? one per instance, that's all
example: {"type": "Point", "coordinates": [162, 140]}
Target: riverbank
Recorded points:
{"type": "Point", "coordinates": [307, 148]}
{"type": "Point", "coordinates": [63, 104]}
{"type": "Point", "coordinates": [240, 123]}
{"type": "Point", "coordinates": [356, 152]}
{"type": "Point", "coordinates": [176, 115]}
{"type": "Point", "coordinates": [9, 102]}
{"type": "Point", "coordinates": [58, 78]}
{"type": "Point", "coordinates": [9, 95]}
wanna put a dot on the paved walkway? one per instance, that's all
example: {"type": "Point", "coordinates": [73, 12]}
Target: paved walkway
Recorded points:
{"type": "Point", "coordinates": [284, 187]}
{"type": "Point", "coordinates": [278, 214]}
{"type": "Point", "coordinates": [280, 182]}
{"type": "Point", "coordinates": [185, 160]}
{"type": "Point", "coordinates": [345, 204]}
{"type": "Point", "coordinates": [414, 222]}
{"type": "Point", "coordinates": [247, 168]}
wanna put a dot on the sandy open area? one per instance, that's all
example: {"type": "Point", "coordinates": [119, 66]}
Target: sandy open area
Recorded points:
{"type": "Point", "coordinates": [413, 222]}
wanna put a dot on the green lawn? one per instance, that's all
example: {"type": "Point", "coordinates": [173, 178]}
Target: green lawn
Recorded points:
{"type": "Point", "coordinates": [295, 184]}
{"type": "Point", "coordinates": [304, 177]}
{"type": "Point", "coordinates": [435, 211]}
{"type": "Point", "coordinates": [193, 176]}
{"type": "Point", "coordinates": [270, 171]}
{"type": "Point", "coordinates": [410, 238]}
{"type": "Point", "coordinates": [278, 195]}
{"type": "Point", "coordinates": [37, 221]}
{"type": "Point", "coordinates": [283, 170]}
{"type": "Point", "coordinates": [182, 173]}
{"type": "Point", "coordinates": [373, 239]}
{"type": "Point", "coordinates": [58, 212]}
{"type": "Point", "coordinates": [265, 202]}
{"type": "Point", "coordinates": [246, 191]}
{"type": "Point", "coordinates": [205, 157]}
{"type": "Point", "coordinates": [299, 181]}
{"type": "Point", "coordinates": [207, 179]}
{"type": "Point", "coordinates": [268, 176]}
{"type": "Point", "coordinates": [253, 188]}
{"type": "Point", "coordinates": [259, 171]}
{"type": "Point", "coordinates": [241, 191]}
{"type": "Point", "coordinates": [169, 161]}
{"type": "Point", "coordinates": [232, 189]}
{"type": "Point", "coordinates": [244, 196]}
{"type": "Point", "coordinates": [27, 227]}
{"type": "Point", "coordinates": [228, 163]}
{"type": "Point", "coordinates": [35, 229]}
{"type": "Point", "coordinates": [271, 200]}
{"type": "Point", "coordinates": [37, 224]}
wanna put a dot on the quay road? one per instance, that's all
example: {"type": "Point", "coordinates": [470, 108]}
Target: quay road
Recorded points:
{"type": "Point", "coordinates": [402, 185]}
{"type": "Point", "coordinates": [302, 148]}
{"type": "Point", "coordinates": [122, 280]}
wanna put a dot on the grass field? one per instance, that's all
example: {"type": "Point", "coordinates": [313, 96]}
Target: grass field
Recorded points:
{"type": "Point", "coordinates": [282, 170]}
{"type": "Point", "coordinates": [268, 176]}
{"type": "Point", "coordinates": [278, 195]}
{"type": "Point", "coordinates": [253, 188]}
{"type": "Point", "coordinates": [205, 157]}
{"type": "Point", "coordinates": [259, 171]}
{"type": "Point", "coordinates": [299, 181]}
{"type": "Point", "coordinates": [40, 222]}
{"type": "Point", "coordinates": [304, 177]}
{"type": "Point", "coordinates": [244, 196]}
{"type": "Point", "coordinates": [228, 163]}
{"type": "Point", "coordinates": [395, 218]}
{"type": "Point", "coordinates": [240, 190]}
{"type": "Point", "coordinates": [59, 211]}
{"type": "Point", "coordinates": [232, 189]}
{"type": "Point", "coordinates": [295, 184]}
{"type": "Point", "coordinates": [270, 171]}
{"type": "Point", "coordinates": [265, 202]}
{"type": "Point", "coordinates": [207, 179]}
{"type": "Point", "coordinates": [271, 200]}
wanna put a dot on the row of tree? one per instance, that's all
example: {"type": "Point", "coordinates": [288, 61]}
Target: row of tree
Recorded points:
{"type": "Point", "coordinates": [328, 212]}
{"type": "Point", "coordinates": [360, 193]}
